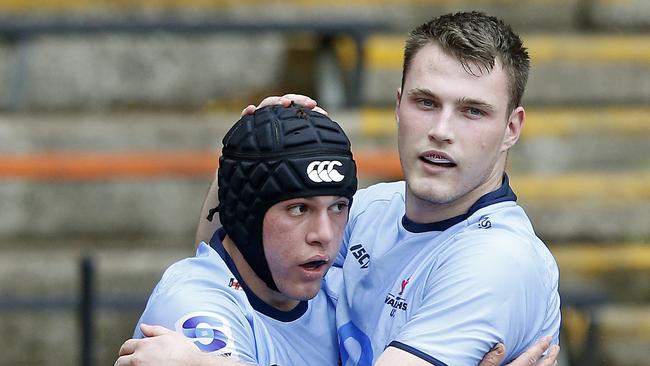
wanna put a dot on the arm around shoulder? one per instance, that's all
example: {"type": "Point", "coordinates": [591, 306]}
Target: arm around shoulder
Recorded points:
{"type": "Point", "coordinates": [194, 299]}
{"type": "Point", "coordinates": [534, 356]}
{"type": "Point", "coordinates": [164, 347]}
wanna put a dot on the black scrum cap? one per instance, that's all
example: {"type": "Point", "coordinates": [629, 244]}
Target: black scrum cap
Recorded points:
{"type": "Point", "coordinates": [276, 154]}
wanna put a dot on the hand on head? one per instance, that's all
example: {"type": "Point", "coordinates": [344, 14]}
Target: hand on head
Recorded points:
{"type": "Point", "coordinates": [285, 101]}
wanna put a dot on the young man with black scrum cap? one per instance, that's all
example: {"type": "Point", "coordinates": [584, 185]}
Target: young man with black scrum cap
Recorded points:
{"type": "Point", "coordinates": [253, 293]}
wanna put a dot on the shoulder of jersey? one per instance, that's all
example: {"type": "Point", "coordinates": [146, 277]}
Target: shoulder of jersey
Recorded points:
{"type": "Point", "coordinates": [380, 191]}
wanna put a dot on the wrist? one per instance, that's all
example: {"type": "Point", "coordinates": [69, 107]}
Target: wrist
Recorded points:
{"type": "Point", "coordinates": [204, 359]}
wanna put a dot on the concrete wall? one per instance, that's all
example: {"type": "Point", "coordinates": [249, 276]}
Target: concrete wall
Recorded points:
{"type": "Point", "coordinates": [123, 93]}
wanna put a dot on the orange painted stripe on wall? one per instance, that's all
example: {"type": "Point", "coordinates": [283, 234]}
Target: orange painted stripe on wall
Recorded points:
{"type": "Point", "coordinates": [88, 166]}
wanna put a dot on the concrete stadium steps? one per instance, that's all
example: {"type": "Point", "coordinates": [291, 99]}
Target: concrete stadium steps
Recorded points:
{"type": "Point", "coordinates": [126, 188]}
{"type": "Point", "coordinates": [114, 131]}
{"type": "Point", "coordinates": [567, 69]}
{"type": "Point", "coordinates": [622, 335]}
{"type": "Point", "coordinates": [620, 14]}
{"type": "Point", "coordinates": [549, 14]}
{"type": "Point", "coordinates": [100, 71]}
{"type": "Point", "coordinates": [403, 14]}
{"type": "Point", "coordinates": [165, 70]}
{"type": "Point", "coordinates": [120, 208]}
{"type": "Point", "coordinates": [58, 336]}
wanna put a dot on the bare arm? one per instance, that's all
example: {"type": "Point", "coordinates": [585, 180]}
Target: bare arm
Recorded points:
{"type": "Point", "coordinates": [206, 228]}
{"type": "Point", "coordinates": [164, 347]}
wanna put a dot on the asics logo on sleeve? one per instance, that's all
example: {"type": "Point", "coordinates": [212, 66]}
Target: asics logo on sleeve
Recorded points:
{"type": "Point", "coordinates": [361, 255]}
{"type": "Point", "coordinates": [323, 171]}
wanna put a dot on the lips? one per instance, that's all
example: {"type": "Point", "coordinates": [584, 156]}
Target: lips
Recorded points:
{"type": "Point", "coordinates": [438, 159]}
{"type": "Point", "coordinates": [315, 263]}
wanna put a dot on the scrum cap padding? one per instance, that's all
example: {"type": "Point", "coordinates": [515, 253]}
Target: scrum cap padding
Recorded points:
{"type": "Point", "coordinates": [279, 153]}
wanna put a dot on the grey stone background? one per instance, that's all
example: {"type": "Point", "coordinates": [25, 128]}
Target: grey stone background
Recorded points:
{"type": "Point", "coordinates": [88, 93]}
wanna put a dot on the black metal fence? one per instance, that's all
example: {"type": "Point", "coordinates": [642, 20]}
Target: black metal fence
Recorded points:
{"type": "Point", "coordinates": [85, 304]}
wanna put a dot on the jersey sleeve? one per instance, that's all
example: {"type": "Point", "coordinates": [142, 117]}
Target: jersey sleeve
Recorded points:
{"type": "Point", "coordinates": [490, 293]}
{"type": "Point", "coordinates": [210, 317]}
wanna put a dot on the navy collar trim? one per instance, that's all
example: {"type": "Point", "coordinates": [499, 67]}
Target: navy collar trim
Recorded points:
{"type": "Point", "coordinates": [258, 304]}
{"type": "Point", "coordinates": [503, 194]}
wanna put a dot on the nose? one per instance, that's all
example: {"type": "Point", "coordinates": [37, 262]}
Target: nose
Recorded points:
{"type": "Point", "coordinates": [321, 229]}
{"type": "Point", "coordinates": [441, 127]}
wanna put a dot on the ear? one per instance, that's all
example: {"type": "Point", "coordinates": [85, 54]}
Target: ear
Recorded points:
{"type": "Point", "coordinates": [514, 128]}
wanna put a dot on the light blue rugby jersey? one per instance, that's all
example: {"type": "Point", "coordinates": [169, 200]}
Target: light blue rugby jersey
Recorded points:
{"type": "Point", "coordinates": [448, 291]}
{"type": "Point", "coordinates": [205, 299]}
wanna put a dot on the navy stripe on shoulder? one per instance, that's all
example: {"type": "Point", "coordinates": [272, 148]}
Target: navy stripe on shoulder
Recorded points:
{"type": "Point", "coordinates": [416, 352]}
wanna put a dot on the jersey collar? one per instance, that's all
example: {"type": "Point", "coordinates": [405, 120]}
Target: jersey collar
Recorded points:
{"type": "Point", "coordinates": [502, 194]}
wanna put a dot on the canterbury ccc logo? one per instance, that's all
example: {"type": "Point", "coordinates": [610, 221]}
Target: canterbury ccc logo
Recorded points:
{"type": "Point", "coordinates": [323, 171]}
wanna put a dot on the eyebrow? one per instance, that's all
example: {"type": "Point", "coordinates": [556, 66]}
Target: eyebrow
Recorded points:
{"type": "Point", "coordinates": [313, 198]}
{"type": "Point", "coordinates": [476, 103]}
{"type": "Point", "coordinates": [420, 92]}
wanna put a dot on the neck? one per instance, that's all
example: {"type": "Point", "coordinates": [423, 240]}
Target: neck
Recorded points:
{"type": "Point", "coordinates": [254, 283]}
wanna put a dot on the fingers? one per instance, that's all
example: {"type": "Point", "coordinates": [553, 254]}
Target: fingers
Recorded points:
{"type": "Point", "coordinates": [128, 347]}
{"type": "Point", "coordinates": [551, 357]}
{"type": "Point", "coordinates": [154, 330]}
{"type": "Point", "coordinates": [285, 101]}
{"type": "Point", "coordinates": [303, 100]}
{"type": "Point", "coordinates": [494, 357]}
{"type": "Point", "coordinates": [124, 361]}
{"type": "Point", "coordinates": [320, 110]}
{"type": "Point", "coordinates": [250, 109]}
{"type": "Point", "coordinates": [532, 354]}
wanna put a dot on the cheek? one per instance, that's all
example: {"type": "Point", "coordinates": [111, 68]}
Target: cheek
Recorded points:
{"type": "Point", "coordinates": [484, 140]}
{"type": "Point", "coordinates": [275, 237]}
{"type": "Point", "coordinates": [339, 228]}
{"type": "Point", "coordinates": [409, 117]}
{"type": "Point", "coordinates": [408, 134]}
{"type": "Point", "coordinates": [412, 124]}
{"type": "Point", "coordinates": [340, 223]}
{"type": "Point", "coordinates": [277, 257]}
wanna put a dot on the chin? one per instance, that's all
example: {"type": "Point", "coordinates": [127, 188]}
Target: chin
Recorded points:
{"type": "Point", "coordinates": [306, 293]}
{"type": "Point", "coordinates": [428, 191]}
